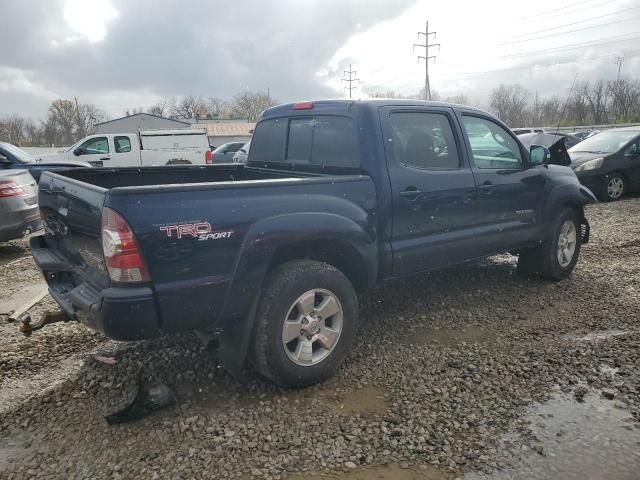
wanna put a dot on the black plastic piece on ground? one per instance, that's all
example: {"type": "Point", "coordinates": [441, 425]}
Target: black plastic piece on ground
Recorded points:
{"type": "Point", "coordinates": [148, 399]}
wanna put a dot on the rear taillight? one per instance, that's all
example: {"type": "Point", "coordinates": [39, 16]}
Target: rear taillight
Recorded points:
{"type": "Point", "coordinates": [208, 157]}
{"type": "Point", "coordinates": [9, 188]}
{"type": "Point", "coordinates": [120, 248]}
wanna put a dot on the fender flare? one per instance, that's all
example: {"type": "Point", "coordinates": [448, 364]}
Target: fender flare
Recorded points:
{"type": "Point", "coordinates": [568, 194]}
{"type": "Point", "coordinates": [263, 239]}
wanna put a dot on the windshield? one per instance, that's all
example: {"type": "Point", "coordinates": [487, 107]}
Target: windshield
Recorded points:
{"type": "Point", "coordinates": [18, 153]}
{"type": "Point", "coordinates": [604, 142]}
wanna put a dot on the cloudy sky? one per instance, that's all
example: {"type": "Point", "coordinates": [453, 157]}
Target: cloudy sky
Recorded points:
{"type": "Point", "coordinates": [122, 54]}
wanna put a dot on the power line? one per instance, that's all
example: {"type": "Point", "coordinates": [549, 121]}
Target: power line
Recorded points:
{"type": "Point", "coordinates": [527, 67]}
{"type": "Point", "coordinates": [571, 31]}
{"type": "Point", "coordinates": [426, 57]}
{"type": "Point", "coordinates": [573, 46]}
{"type": "Point", "coordinates": [567, 25]}
{"type": "Point", "coordinates": [550, 12]}
{"type": "Point", "coordinates": [350, 80]}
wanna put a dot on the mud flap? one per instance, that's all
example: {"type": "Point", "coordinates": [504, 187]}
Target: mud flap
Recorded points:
{"type": "Point", "coordinates": [235, 340]}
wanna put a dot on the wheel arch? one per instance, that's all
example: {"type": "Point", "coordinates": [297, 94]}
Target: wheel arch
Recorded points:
{"type": "Point", "coordinates": [334, 239]}
{"type": "Point", "coordinates": [572, 196]}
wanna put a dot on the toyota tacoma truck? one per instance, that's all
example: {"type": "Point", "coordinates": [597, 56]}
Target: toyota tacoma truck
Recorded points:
{"type": "Point", "coordinates": [336, 197]}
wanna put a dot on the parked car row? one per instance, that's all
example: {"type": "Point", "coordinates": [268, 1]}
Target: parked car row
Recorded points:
{"type": "Point", "coordinates": [605, 161]}
{"type": "Point", "coordinates": [19, 213]}
{"type": "Point", "coordinates": [608, 163]}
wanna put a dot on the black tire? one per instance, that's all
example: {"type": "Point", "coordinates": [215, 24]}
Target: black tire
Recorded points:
{"type": "Point", "coordinates": [543, 260]}
{"type": "Point", "coordinates": [607, 192]}
{"type": "Point", "coordinates": [286, 284]}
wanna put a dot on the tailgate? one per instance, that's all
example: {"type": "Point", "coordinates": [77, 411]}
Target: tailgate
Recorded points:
{"type": "Point", "coordinates": [72, 212]}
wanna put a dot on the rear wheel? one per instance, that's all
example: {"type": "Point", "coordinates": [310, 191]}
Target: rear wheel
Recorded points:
{"type": "Point", "coordinates": [557, 256]}
{"type": "Point", "coordinates": [614, 188]}
{"type": "Point", "coordinates": [305, 323]}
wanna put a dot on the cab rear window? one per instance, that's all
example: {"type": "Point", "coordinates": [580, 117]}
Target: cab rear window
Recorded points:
{"type": "Point", "coordinates": [315, 141]}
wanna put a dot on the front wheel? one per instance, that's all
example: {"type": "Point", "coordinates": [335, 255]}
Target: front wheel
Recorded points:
{"type": "Point", "coordinates": [614, 188]}
{"type": "Point", "coordinates": [556, 258]}
{"type": "Point", "coordinates": [305, 323]}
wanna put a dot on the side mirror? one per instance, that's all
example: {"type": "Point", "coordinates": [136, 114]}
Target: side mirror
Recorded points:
{"type": "Point", "coordinates": [78, 151]}
{"type": "Point", "coordinates": [632, 152]}
{"type": "Point", "coordinates": [539, 155]}
{"type": "Point", "coordinates": [4, 160]}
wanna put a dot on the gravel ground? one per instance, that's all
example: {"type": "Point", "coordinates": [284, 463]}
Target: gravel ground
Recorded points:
{"type": "Point", "coordinates": [471, 372]}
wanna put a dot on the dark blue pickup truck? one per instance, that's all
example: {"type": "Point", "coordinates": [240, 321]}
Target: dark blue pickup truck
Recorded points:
{"type": "Point", "coordinates": [336, 197]}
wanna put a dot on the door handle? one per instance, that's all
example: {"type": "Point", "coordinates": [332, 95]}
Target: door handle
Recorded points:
{"type": "Point", "coordinates": [105, 158]}
{"type": "Point", "coordinates": [487, 188]}
{"type": "Point", "coordinates": [411, 193]}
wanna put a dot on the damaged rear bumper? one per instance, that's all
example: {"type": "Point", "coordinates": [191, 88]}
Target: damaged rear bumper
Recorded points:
{"type": "Point", "coordinates": [120, 313]}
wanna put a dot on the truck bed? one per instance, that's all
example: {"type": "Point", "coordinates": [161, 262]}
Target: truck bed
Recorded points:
{"type": "Point", "coordinates": [108, 178]}
{"type": "Point", "coordinates": [247, 214]}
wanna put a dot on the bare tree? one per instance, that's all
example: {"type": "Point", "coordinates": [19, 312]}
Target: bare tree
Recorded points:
{"type": "Point", "coordinates": [32, 133]}
{"type": "Point", "coordinates": [189, 106]}
{"type": "Point", "coordinates": [551, 111]}
{"type": "Point", "coordinates": [460, 99]}
{"type": "Point", "coordinates": [595, 96]}
{"type": "Point", "coordinates": [161, 108]}
{"type": "Point", "coordinates": [13, 129]}
{"type": "Point", "coordinates": [387, 94]}
{"type": "Point", "coordinates": [63, 116]}
{"type": "Point", "coordinates": [219, 108]}
{"type": "Point", "coordinates": [250, 104]}
{"type": "Point", "coordinates": [87, 116]}
{"type": "Point", "coordinates": [509, 103]}
{"type": "Point", "coordinates": [625, 98]}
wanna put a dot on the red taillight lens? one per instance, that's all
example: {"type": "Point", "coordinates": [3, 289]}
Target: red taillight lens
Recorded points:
{"type": "Point", "coordinates": [208, 157]}
{"type": "Point", "coordinates": [9, 188]}
{"type": "Point", "coordinates": [303, 106]}
{"type": "Point", "coordinates": [120, 248]}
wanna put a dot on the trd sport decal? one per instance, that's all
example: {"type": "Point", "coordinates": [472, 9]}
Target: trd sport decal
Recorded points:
{"type": "Point", "coordinates": [201, 231]}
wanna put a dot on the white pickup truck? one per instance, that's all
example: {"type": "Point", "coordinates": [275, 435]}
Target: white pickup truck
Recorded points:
{"type": "Point", "coordinates": [146, 148]}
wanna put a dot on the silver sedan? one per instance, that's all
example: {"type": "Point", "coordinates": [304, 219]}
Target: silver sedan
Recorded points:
{"type": "Point", "coordinates": [19, 214]}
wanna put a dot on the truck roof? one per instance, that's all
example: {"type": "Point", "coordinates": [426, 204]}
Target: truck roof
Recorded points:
{"type": "Point", "coordinates": [345, 105]}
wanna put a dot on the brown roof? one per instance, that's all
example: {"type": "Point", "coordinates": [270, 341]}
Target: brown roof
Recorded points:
{"type": "Point", "coordinates": [226, 129]}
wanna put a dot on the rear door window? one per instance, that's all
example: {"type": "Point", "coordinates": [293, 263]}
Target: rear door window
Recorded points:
{"type": "Point", "coordinates": [122, 144]}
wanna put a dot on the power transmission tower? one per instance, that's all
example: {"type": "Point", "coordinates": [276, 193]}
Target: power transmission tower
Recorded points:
{"type": "Point", "coordinates": [619, 62]}
{"type": "Point", "coordinates": [350, 80]}
{"type": "Point", "coordinates": [426, 57]}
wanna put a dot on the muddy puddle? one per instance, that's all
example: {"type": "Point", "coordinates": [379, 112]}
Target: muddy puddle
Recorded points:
{"type": "Point", "coordinates": [448, 336]}
{"type": "Point", "coordinates": [594, 440]}
{"type": "Point", "coordinates": [384, 472]}
{"type": "Point", "coordinates": [365, 401]}
{"type": "Point", "coordinates": [599, 336]}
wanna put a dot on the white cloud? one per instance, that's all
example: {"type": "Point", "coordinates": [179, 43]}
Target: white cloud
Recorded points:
{"type": "Point", "coordinates": [474, 54]}
{"type": "Point", "coordinates": [89, 18]}
{"type": "Point", "coordinates": [14, 80]}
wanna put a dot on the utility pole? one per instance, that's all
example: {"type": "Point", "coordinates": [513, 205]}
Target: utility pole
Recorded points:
{"type": "Point", "coordinates": [619, 62]}
{"type": "Point", "coordinates": [350, 80]}
{"type": "Point", "coordinates": [426, 57]}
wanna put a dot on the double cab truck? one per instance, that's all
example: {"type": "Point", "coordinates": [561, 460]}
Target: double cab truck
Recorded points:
{"type": "Point", "coordinates": [336, 197]}
{"type": "Point", "coordinates": [186, 146]}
